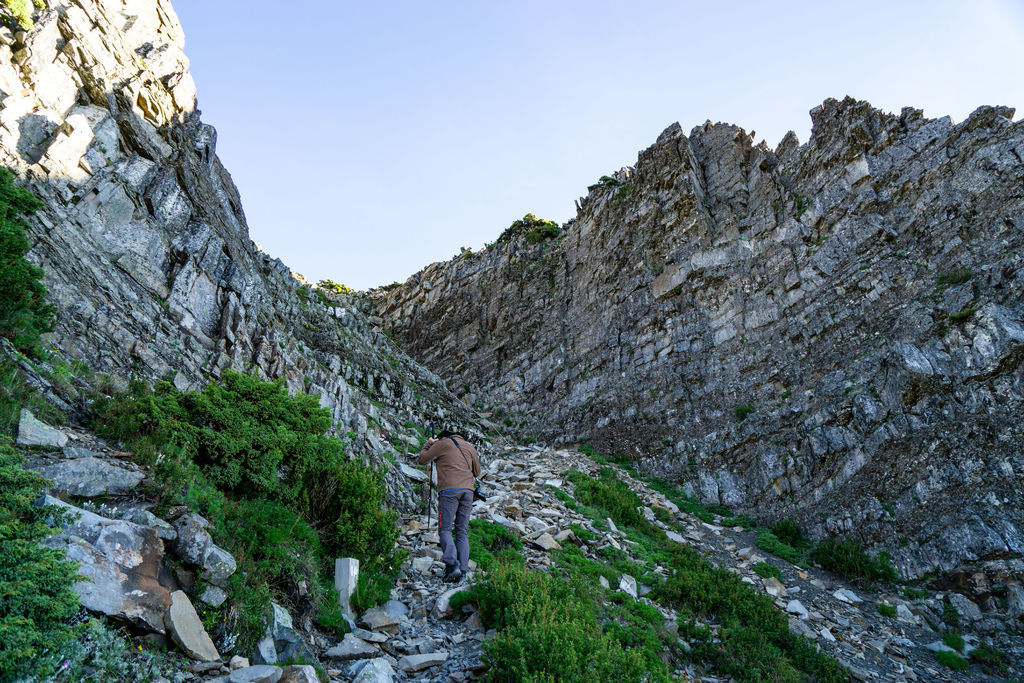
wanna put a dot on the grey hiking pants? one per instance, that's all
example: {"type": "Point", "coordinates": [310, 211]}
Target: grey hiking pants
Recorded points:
{"type": "Point", "coordinates": [453, 509]}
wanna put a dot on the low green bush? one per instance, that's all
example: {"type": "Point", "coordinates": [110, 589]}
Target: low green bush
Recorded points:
{"type": "Point", "coordinates": [847, 558]}
{"type": "Point", "coordinates": [770, 543]}
{"type": "Point", "coordinates": [35, 581]}
{"type": "Point", "coordinates": [954, 640]}
{"type": "Point", "coordinates": [25, 313]}
{"type": "Point", "coordinates": [887, 610]}
{"type": "Point", "coordinates": [535, 229]}
{"type": "Point", "coordinates": [610, 496]}
{"type": "Point", "coordinates": [487, 539]}
{"type": "Point", "coordinates": [992, 660]}
{"type": "Point", "coordinates": [744, 411]}
{"type": "Point", "coordinates": [765, 570]}
{"type": "Point", "coordinates": [755, 640]}
{"type": "Point", "coordinates": [20, 12]}
{"type": "Point", "coordinates": [950, 614]}
{"type": "Point", "coordinates": [790, 533]}
{"type": "Point", "coordinates": [952, 660]}
{"type": "Point", "coordinates": [548, 630]}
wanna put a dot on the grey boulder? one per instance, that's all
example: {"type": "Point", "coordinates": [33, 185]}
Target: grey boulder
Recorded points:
{"type": "Point", "coordinates": [413, 663]}
{"type": "Point", "coordinates": [375, 671]}
{"type": "Point", "coordinates": [90, 477]}
{"type": "Point", "coordinates": [32, 432]}
{"type": "Point", "coordinates": [195, 545]}
{"type": "Point", "coordinates": [281, 642]}
{"type": "Point", "coordinates": [187, 630]}
{"type": "Point", "coordinates": [261, 673]}
{"type": "Point", "coordinates": [352, 647]}
{"type": "Point", "coordinates": [120, 562]}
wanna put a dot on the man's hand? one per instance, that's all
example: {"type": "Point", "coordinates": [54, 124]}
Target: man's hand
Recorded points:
{"type": "Point", "coordinates": [430, 442]}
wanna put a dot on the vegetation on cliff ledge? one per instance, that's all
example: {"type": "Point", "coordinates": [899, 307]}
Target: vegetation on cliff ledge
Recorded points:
{"type": "Point", "coordinates": [20, 11]}
{"type": "Point", "coordinates": [534, 229]}
{"type": "Point", "coordinates": [24, 312]}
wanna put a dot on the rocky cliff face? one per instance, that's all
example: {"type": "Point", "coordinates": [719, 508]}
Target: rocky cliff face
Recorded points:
{"type": "Point", "coordinates": [829, 331]}
{"type": "Point", "coordinates": [144, 242]}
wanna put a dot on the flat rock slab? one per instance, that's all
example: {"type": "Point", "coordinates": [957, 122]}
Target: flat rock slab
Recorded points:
{"type": "Point", "coordinates": [375, 671]}
{"type": "Point", "coordinates": [848, 596]}
{"type": "Point", "coordinates": [262, 673]}
{"type": "Point", "coordinates": [413, 663]}
{"type": "Point", "coordinates": [546, 542]}
{"type": "Point", "coordinates": [412, 472]}
{"type": "Point", "coordinates": [369, 636]}
{"type": "Point", "coordinates": [442, 607]}
{"type": "Point", "coordinates": [352, 647]}
{"type": "Point", "coordinates": [90, 477]}
{"type": "Point", "coordinates": [187, 630]}
{"type": "Point", "coordinates": [32, 432]}
{"type": "Point", "coordinates": [299, 673]}
{"type": "Point", "coordinates": [377, 619]}
{"type": "Point", "coordinates": [627, 584]}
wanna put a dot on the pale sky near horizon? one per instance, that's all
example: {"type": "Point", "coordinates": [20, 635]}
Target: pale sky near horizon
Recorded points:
{"type": "Point", "coordinates": [369, 139]}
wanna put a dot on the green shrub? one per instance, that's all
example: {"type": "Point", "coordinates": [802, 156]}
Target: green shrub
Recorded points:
{"type": "Point", "coordinates": [755, 637]}
{"type": "Point", "coordinates": [487, 539]}
{"type": "Point", "coordinates": [950, 614]}
{"type": "Point", "coordinates": [548, 631]}
{"type": "Point", "coordinates": [990, 659]}
{"type": "Point", "coordinates": [770, 543]}
{"type": "Point", "coordinates": [20, 11]}
{"type": "Point", "coordinates": [535, 229]}
{"type": "Point", "coordinates": [952, 660]}
{"type": "Point", "coordinates": [790, 533]}
{"type": "Point", "coordinates": [334, 287]}
{"type": "Point", "coordinates": [744, 410]}
{"type": "Point", "coordinates": [610, 496]}
{"type": "Point", "coordinates": [887, 610]}
{"type": "Point", "coordinates": [35, 581]}
{"type": "Point", "coordinates": [962, 315]}
{"type": "Point", "coordinates": [764, 570]}
{"type": "Point", "coordinates": [847, 558]}
{"type": "Point", "coordinates": [24, 312]}
{"type": "Point", "coordinates": [954, 640]}
{"type": "Point", "coordinates": [957, 276]}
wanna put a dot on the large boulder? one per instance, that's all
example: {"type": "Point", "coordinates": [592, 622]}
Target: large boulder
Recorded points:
{"type": "Point", "coordinates": [120, 564]}
{"type": "Point", "coordinates": [187, 630]}
{"type": "Point", "coordinates": [195, 545]}
{"type": "Point", "coordinates": [90, 477]}
{"type": "Point", "coordinates": [32, 432]}
{"type": "Point", "coordinates": [281, 642]}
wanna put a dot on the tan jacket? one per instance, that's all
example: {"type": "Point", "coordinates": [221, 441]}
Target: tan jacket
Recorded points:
{"type": "Point", "coordinates": [452, 471]}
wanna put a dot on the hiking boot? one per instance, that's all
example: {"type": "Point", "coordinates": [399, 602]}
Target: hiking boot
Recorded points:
{"type": "Point", "coordinates": [453, 574]}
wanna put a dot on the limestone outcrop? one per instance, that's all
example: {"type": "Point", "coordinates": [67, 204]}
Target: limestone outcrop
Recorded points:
{"type": "Point", "coordinates": [829, 331]}
{"type": "Point", "coordinates": [144, 242]}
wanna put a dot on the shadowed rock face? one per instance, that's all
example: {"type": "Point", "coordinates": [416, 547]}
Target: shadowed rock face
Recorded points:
{"type": "Point", "coordinates": [830, 332]}
{"type": "Point", "coordinates": [144, 241]}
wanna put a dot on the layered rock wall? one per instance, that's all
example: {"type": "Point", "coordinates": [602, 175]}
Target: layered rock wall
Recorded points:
{"type": "Point", "coordinates": [830, 331]}
{"type": "Point", "coordinates": [144, 242]}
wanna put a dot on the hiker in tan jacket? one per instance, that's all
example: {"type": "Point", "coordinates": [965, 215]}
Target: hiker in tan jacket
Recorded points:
{"type": "Point", "coordinates": [457, 467]}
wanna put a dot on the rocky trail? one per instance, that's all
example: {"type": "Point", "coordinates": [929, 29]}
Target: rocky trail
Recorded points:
{"type": "Point", "coordinates": [417, 636]}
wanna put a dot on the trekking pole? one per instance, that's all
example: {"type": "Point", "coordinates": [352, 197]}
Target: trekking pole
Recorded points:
{"type": "Point", "coordinates": [430, 476]}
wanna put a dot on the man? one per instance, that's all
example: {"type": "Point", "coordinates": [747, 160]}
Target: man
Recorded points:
{"type": "Point", "coordinates": [457, 467]}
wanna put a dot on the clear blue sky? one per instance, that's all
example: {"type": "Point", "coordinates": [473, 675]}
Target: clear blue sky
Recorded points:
{"type": "Point", "coordinates": [369, 139]}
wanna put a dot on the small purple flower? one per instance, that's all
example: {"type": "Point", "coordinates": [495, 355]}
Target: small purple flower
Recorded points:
{"type": "Point", "coordinates": [65, 665]}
